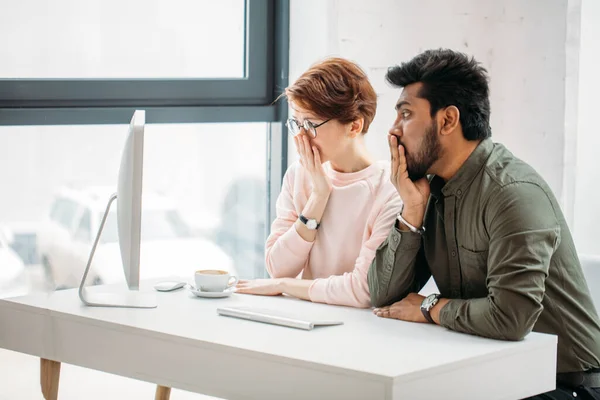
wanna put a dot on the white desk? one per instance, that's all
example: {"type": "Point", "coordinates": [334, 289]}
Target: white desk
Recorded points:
{"type": "Point", "coordinates": [184, 344]}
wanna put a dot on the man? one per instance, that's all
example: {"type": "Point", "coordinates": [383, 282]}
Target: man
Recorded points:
{"type": "Point", "coordinates": [485, 225]}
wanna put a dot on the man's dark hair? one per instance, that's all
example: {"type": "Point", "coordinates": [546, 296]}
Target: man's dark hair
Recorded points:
{"type": "Point", "coordinates": [450, 78]}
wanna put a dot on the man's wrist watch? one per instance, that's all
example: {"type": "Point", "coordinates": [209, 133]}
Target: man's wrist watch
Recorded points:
{"type": "Point", "coordinates": [427, 304]}
{"type": "Point", "coordinates": [412, 228]}
{"type": "Point", "coordinates": [310, 223]}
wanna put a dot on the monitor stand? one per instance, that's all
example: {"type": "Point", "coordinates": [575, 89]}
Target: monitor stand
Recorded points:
{"type": "Point", "coordinates": [127, 299]}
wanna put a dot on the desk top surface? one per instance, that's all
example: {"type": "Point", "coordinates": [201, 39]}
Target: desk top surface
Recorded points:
{"type": "Point", "coordinates": [364, 343]}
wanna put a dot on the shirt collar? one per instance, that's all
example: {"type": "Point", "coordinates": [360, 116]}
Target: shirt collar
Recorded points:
{"type": "Point", "coordinates": [436, 184]}
{"type": "Point", "coordinates": [458, 184]}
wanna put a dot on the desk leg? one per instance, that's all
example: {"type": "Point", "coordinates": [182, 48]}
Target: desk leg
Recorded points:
{"type": "Point", "coordinates": [162, 393]}
{"type": "Point", "coordinates": [49, 375]}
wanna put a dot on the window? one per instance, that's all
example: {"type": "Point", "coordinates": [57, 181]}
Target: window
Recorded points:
{"type": "Point", "coordinates": [113, 39]}
{"type": "Point", "coordinates": [206, 73]}
{"type": "Point", "coordinates": [183, 61]}
{"type": "Point", "coordinates": [211, 207]}
{"type": "Point", "coordinates": [83, 232]}
{"type": "Point", "coordinates": [66, 214]}
{"type": "Point", "coordinates": [158, 225]}
{"type": "Point", "coordinates": [57, 208]}
{"type": "Point", "coordinates": [24, 243]}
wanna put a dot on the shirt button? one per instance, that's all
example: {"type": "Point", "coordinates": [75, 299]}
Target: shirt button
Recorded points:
{"type": "Point", "coordinates": [459, 192]}
{"type": "Point", "coordinates": [453, 253]}
{"type": "Point", "coordinates": [395, 239]}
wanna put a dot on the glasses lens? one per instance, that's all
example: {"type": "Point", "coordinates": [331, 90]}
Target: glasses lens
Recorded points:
{"type": "Point", "coordinates": [292, 125]}
{"type": "Point", "coordinates": [310, 128]}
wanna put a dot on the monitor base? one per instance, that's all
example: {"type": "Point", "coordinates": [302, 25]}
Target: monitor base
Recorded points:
{"type": "Point", "coordinates": [130, 299]}
{"type": "Point", "coordinates": [127, 299]}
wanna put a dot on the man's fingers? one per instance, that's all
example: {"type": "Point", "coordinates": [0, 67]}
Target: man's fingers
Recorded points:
{"type": "Point", "coordinates": [383, 312]}
{"type": "Point", "coordinates": [393, 142]}
{"type": "Point", "coordinates": [393, 311]}
{"type": "Point", "coordinates": [401, 159]}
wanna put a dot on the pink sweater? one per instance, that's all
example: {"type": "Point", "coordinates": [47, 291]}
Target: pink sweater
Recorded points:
{"type": "Point", "coordinates": [359, 215]}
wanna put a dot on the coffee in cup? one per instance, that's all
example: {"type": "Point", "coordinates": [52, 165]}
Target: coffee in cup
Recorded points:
{"type": "Point", "coordinates": [214, 280]}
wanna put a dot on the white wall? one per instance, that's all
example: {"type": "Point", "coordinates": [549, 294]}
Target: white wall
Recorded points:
{"type": "Point", "coordinates": [587, 195]}
{"type": "Point", "coordinates": [521, 43]}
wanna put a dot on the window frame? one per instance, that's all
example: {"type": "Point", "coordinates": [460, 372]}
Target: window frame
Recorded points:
{"type": "Point", "coordinates": [112, 101]}
{"type": "Point", "coordinates": [254, 98]}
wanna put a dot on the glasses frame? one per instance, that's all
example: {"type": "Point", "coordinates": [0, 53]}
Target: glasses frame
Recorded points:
{"type": "Point", "coordinates": [308, 126]}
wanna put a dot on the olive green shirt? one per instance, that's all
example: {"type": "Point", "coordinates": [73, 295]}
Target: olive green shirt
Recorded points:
{"type": "Point", "coordinates": [497, 245]}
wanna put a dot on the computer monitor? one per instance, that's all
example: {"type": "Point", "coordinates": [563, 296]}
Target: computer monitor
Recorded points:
{"type": "Point", "coordinates": [129, 199]}
{"type": "Point", "coordinates": [129, 221]}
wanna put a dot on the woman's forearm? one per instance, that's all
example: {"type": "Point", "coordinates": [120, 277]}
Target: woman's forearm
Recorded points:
{"type": "Point", "coordinates": [296, 287]}
{"type": "Point", "coordinates": [314, 209]}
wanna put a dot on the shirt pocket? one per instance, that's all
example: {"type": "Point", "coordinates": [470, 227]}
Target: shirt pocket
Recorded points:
{"type": "Point", "coordinates": [473, 268]}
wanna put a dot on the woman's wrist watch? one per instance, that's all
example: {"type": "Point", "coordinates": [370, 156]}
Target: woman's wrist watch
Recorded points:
{"type": "Point", "coordinates": [310, 223]}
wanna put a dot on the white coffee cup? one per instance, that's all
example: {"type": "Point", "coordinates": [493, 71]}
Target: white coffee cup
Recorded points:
{"type": "Point", "coordinates": [214, 280]}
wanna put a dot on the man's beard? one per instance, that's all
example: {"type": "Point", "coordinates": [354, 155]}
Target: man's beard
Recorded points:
{"type": "Point", "coordinates": [419, 162]}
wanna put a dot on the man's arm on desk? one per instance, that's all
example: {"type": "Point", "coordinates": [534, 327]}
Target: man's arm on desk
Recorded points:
{"type": "Point", "coordinates": [524, 233]}
{"type": "Point", "coordinates": [399, 267]}
{"type": "Point", "coordinates": [523, 237]}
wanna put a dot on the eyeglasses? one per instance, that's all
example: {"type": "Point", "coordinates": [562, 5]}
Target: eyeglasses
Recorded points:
{"type": "Point", "coordinates": [296, 126]}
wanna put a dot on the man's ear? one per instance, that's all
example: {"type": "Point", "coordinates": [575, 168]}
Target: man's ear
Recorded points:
{"type": "Point", "coordinates": [450, 118]}
{"type": "Point", "coordinates": [356, 127]}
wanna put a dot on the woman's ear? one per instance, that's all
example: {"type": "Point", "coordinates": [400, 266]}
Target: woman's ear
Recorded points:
{"type": "Point", "coordinates": [356, 127]}
{"type": "Point", "coordinates": [450, 120]}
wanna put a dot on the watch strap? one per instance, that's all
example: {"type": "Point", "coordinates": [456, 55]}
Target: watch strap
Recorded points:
{"type": "Point", "coordinates": [425, 309]}
{"type": "Point", "coordinates": [305, 220]}
{"type": "Point", "coordinates": [427, 315]}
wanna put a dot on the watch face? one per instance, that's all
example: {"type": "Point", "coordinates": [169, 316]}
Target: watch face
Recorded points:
{"type": "Point", "coordinates": [429, 300]}
{"type": "Point", "coordinates": [311, 224]}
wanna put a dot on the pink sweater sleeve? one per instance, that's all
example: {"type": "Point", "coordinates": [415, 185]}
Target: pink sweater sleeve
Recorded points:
{"type": "Point", "coordinates": [286, 252]}
{"type": "Point", "coordinates": [351, 288]}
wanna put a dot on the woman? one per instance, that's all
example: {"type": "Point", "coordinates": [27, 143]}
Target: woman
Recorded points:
{"type": "Point", "coordinates": [336, 205]}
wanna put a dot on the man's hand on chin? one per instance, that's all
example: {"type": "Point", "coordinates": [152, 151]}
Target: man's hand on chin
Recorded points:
{"type": "Point", "coordinates": [407, 309]}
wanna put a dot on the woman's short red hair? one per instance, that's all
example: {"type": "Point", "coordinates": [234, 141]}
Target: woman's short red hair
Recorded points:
{"type": "Point", "coordinates": [335, 88]}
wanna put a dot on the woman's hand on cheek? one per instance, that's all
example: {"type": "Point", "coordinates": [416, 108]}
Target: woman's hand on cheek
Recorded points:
{"type": "Point", "coordinates": [310, 158]}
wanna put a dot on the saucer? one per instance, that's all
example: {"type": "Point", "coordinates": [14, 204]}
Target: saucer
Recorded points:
{"type": "Point", "coordinates": [200, 293]}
